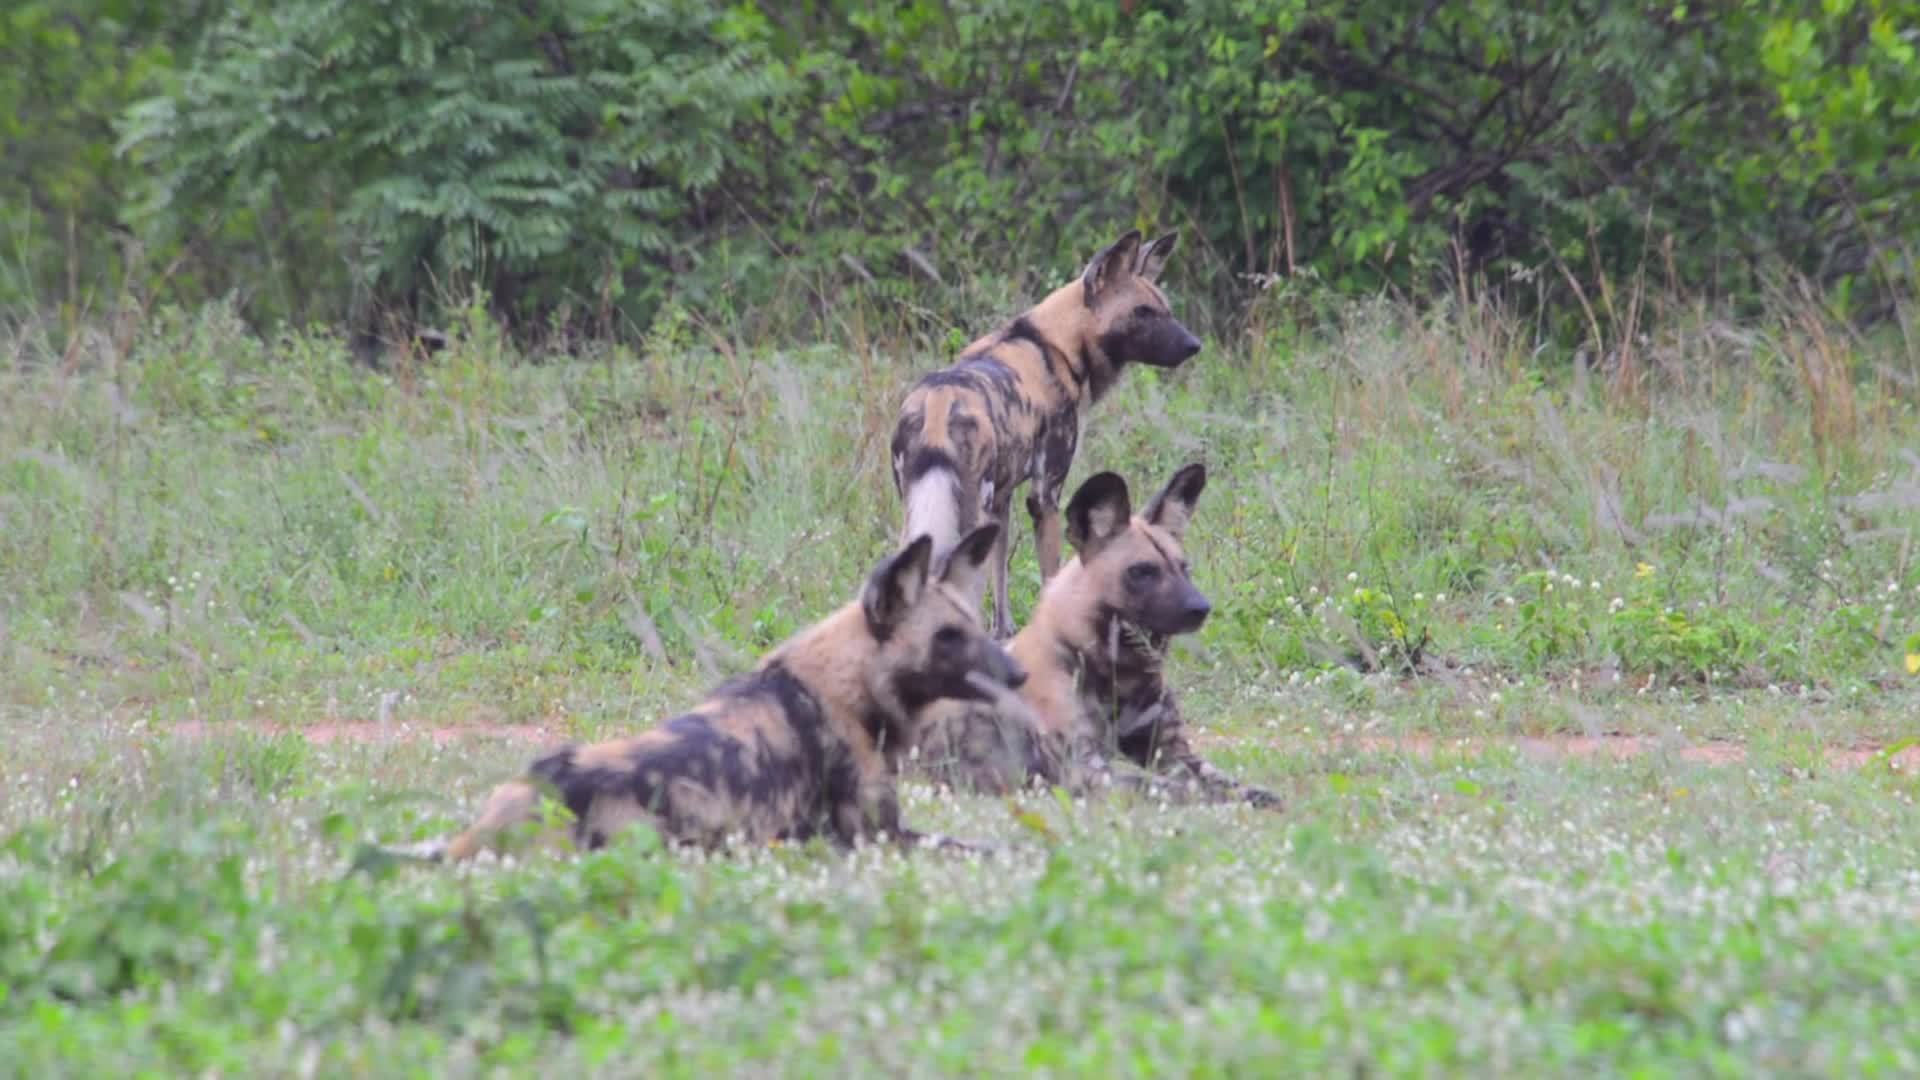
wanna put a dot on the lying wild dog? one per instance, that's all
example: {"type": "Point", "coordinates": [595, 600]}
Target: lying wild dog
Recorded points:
{"type": "Point", "coordinates": [1009, 411]}
{"type": "Point", "coordinates": [1093, 654]}
{"type": "Point", "coordinates": [803, 744]}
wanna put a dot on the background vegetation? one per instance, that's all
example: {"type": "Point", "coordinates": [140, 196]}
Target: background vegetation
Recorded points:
{"type": "Point", "coordinates": [584, 160]}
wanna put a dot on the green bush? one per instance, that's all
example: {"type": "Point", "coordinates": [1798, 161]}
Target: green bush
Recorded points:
{"type": "Point", "coordinates": [542, 151]}
{"type": "Point", "coordinates": [67, 70]}
{"type": "Point", "coordinates": [582, 160]}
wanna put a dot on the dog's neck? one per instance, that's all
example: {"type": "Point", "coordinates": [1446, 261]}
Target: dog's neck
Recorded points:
{"type": "Point", "coordinates": [836, 657]}
{"type": "Point", "coordinates": [1062, 634]}
{"type": "Point", "coordinates": [1068, 323]}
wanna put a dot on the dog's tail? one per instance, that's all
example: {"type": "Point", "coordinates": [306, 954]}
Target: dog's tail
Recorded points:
{"type": "Point", "coordinates": [933, 501]}
{"type": "Point", "coordinates": [510, 804]}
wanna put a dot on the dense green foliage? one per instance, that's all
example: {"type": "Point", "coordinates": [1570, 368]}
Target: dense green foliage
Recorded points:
{"type": "Point", "coordinates": [581, 159]}
{"type": "Point", "coordinates": [67, 72]}
{"type": "Point", "coordinates": [530, 149]}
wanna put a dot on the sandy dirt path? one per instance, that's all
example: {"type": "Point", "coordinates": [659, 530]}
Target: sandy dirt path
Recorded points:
{"type": "Point", "coordinates": [1618, 747]}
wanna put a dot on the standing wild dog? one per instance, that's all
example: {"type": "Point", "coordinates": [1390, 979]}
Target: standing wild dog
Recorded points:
{"type": "Point", "coordinates": [803, 744]}
{"type": "Point", "coordinates": [1010, 410]}
{"type": "Point", "coordinates": [1093, 654]}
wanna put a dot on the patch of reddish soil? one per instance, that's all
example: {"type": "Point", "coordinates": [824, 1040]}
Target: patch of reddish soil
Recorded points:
{"type": "Point", "coordinates": [1617, 747]}
{"type": "Point", "coordinates": [367, 732]}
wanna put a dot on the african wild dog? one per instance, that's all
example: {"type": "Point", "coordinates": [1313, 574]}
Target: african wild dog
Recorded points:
{"type": "Point", "coordinates": [1093, 654]}
{"type": "Point", "coordinates": [805, 743]}
{"type": "Point", "coordinates": [1010, 409]}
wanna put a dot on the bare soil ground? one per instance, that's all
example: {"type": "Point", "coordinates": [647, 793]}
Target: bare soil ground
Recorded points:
{"type": "Point", "coordinates": [1903, 757]}
{"type": "Point", "coordinates": [370, 732]}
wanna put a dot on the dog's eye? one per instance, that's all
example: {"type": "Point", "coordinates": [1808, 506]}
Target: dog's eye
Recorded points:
{"type": "Point", "coordinates": [948, 638]}
{"type": "Point", "coordinates": [1141, 575]}
{"type": "Point", "coordinates": [1145, 311]}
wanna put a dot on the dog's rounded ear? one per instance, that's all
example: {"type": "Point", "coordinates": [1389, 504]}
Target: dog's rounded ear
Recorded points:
{"type": "Point", "coordinates": [896, 585]}
{"type": "Point", "coordinates": [1173, 507]}
{"type": "Point", "coordinates": [1113, 265]}
{"type": "Point", "coordinates": [1153, 257]}
{"type": "Point", "coordinates": [1097, 513]}
{"type": "Point", "coordinates": [969, 557]}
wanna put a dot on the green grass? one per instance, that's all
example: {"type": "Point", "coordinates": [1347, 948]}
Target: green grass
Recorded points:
{"type": "Point", "coordinates": [187, 907]}
{"type": "Point", "coordinates": [1410, 530]}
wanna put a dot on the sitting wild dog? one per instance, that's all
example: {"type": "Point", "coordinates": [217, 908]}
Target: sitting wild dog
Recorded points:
{"type": "Point", "coordinates": [1009, 411]}
{"type": "Point", "coordinates": [803, 744]}
{"type": "Point", "coordinates": [1093, 654]}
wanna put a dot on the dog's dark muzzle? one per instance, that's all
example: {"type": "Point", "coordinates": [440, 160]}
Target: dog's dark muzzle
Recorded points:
{"type": "Point", "coordinates": [1004, 669]}
{"type": "Point", "coordinates": [1192, 612]}
{"type": "Point", "coordinates": [1172, 345]}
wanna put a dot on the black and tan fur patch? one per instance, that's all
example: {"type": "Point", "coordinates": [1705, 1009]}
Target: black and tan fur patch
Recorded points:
{"type": "Point", "coordinates": [1096, 692]}
{"type": "Point", "coordinates": [1010, 410]}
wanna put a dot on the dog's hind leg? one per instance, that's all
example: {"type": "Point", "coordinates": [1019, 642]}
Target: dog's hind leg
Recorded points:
{"type": "Point", "coordinates": [1047, 533]}
{"type": "Point", "coordinates": [1001, 510]}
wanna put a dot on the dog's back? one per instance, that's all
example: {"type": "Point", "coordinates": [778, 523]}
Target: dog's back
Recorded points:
{"type": "Point", "coordinates": [1009, 411]}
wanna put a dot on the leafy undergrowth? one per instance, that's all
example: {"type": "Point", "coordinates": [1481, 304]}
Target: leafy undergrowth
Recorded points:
{"type": "Point", "coordinates": [191, 905]}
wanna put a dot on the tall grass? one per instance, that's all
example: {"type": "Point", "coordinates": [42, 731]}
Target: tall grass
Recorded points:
{"type": "Point", "coordinates": [201, 523]}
